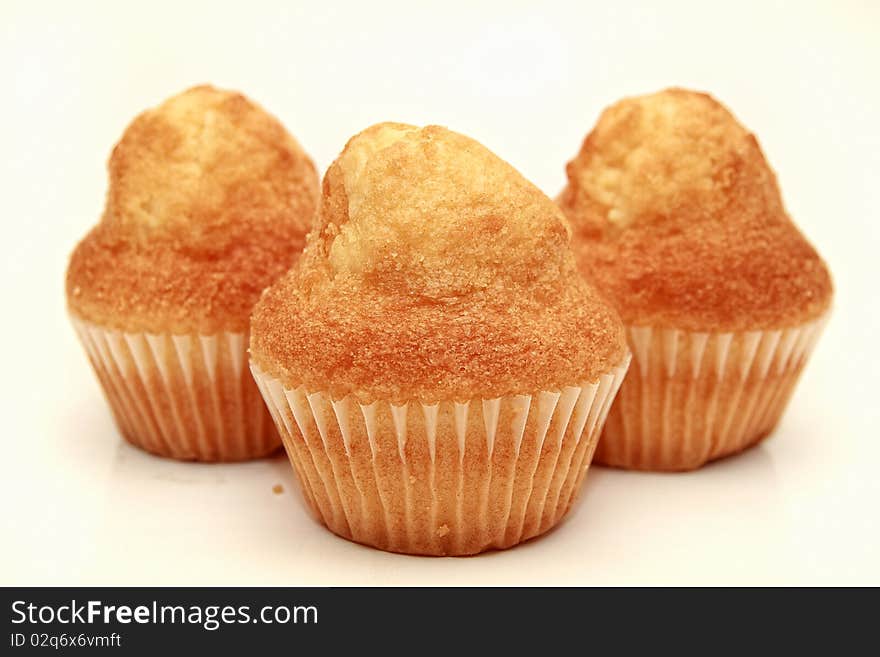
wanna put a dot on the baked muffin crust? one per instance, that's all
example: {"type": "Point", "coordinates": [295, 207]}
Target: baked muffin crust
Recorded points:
{"type": "Point", "coordinates": [434, 271]}
{"type": "Point", "coordinates": [209, 201]}
{"type": "Point", "coordinates": [679, 219]}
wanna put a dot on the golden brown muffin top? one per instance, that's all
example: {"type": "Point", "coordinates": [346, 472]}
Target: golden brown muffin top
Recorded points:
{"type": "Point", "coordinates": [678, 218]}
{"type": "Point", "coordinates": [209, 201]}
{"type": "Point", "coordinates": [435, 271]}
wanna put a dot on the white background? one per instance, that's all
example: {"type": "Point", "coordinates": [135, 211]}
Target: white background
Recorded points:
{"type": "Point", "coordinates": [79, 506]}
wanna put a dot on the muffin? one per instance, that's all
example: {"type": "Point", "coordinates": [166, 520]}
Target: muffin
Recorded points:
{"type": "Point", "coordinates": [437, 368]}
{"type": "Point", "coordinates": [209, 201]}
{"type": "Point", "coordinates": [678, 219]}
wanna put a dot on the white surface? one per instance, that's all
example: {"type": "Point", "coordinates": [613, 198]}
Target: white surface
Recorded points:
{"type": "Point", "coordinates": [79, 506]}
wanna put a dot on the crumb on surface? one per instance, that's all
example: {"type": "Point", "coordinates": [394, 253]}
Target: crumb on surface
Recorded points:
{"type": "Point", "coordinates": [278, 489]}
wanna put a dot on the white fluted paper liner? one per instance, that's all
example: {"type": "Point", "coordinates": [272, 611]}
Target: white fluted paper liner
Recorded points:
{"type": "Point", "coordinates": [691, 397]}
{"type": "Point", "coordinates": [183, 396]}
{"type": "Point", "coordinates": [446, 478]}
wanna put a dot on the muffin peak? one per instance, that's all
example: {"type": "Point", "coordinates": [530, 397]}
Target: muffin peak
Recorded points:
{"type": "Point", "coordinates": [678, 217]}
{"type": "Point", "coordinates": [209, 200]}
{"type": "Point", "coordinates": [434, 271]}
{"type": "Point", "coordinates": [433, 214]}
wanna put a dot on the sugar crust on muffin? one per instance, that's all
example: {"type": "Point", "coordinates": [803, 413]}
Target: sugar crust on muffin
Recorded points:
{"type": "Point", "coordinates": [209, 201]}
{"type": "Point", "coordinates": [679, 219]}
{"type": "Point", "coordinates": [434, 271]}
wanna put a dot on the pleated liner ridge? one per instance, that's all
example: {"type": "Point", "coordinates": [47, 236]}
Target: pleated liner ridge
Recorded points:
{"type": "Point", "coordinates": [441, 479]}
{"type": "Point", "coordinates": [184, 396]}
{"type": "Point", "coordinates": [693, 397]}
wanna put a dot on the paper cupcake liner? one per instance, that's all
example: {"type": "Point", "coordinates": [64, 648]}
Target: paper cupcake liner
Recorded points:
{"type": "Point", "coordinates": [692, 397]}
{"type": "Point", "coordinates": [183, 396]}
{"type": "Point", "coordinates": [441, 479]}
